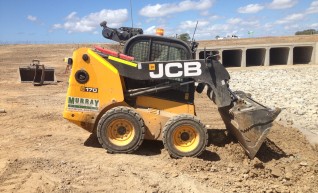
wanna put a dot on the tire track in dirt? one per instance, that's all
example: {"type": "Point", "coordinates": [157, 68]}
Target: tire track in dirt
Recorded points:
{"type": "Point", "coordinates": [20, 175]}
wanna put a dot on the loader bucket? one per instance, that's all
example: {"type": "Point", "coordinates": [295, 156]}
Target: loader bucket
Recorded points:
{"type": "Point", "coordinates": [37, 74]}
{"type": "Point", "coordinates": [249, 122]}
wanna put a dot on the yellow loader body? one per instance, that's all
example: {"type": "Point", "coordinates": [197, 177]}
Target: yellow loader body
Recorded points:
{"type": "Point", "coordinates": [86, 103]}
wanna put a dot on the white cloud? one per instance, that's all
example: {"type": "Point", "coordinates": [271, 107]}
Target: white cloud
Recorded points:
{"type": "Point", "coordinates": [71, 16]}
{"type": "Point", "coordinates": [214, 17]}
{"type": "Point", "coordinates": [237, 23]}
{"type": "Point", "coordinates": [219, 29]}
{"type": "Point", "coordinates": [204, 13]}
{"type": "Point", "coordinates": [191, 24]}
{"type": "Point", "coordinates": [73, 23]}
{"type": "Point", "coordinates": [292, 27]}
{"type": "Point", "coordinates": [233, 26]}
{"type": "Point", "coordinates": [234, 21]}
{"type": "Point", "coordinates": [291, 18]}
{"type": "Point", "coordinates": [57, 26]}
{"type": "Point", "coordinates": [32, 18]}
{"type": "Point", "coordinates": [313, 8]}
{"type": "Point", "coordinates": [314, 25]}
{"type": "Point", "coordinates": [150, 30]}
{"type": "Point", "coordinates": [268, 26]}
{"type": "Point", "coordinates": [251, 8]}
{"type": "Point", "coordinates": [252, 23]}
{"type": "Point", "coordinates": [160, 10]}
{"type": "Point", "coordinates": [282, 4]}
{"type": "Point", "coordinates": [208, 28]}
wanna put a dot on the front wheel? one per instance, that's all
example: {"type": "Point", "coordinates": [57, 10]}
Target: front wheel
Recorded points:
{"type": "Point", "coordinates": [185, 136]}
{"type": "Point", "coordinates": [121, 130]}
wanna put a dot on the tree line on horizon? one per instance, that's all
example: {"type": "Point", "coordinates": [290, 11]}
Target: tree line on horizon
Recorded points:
{"type": "Point", "coordinates": [307, 32]}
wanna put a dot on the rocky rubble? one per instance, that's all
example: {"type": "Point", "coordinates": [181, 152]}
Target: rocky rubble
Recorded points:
{"type": "Point", "coordinates": [294, 89]}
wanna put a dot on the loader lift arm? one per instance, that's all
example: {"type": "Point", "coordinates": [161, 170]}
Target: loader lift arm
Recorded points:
{"type": "Point", "coordinates": [217, 82]}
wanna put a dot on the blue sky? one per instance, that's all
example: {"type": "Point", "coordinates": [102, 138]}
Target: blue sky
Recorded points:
{"type": "Point", "coordinates": [77, 21]}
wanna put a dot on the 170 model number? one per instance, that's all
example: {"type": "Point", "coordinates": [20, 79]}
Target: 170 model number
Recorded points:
{"type": "Point", "coordinates": [89, 89]}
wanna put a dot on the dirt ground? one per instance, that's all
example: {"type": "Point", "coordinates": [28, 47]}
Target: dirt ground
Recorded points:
{"type": "Point", "coordinates": [42, 152]}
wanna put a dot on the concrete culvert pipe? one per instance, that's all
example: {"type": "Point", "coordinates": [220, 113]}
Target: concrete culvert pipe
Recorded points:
{"type": "Point", "coordinates": [232, 58]}
{"type": "Point", "coordinates": [303, 55]}
{"type": "Point", "coordinates": [255, 57]}
{"type": "Point", "coordinates": [278, 56]}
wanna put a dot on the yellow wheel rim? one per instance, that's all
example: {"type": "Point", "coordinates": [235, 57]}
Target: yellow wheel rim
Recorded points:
{"type": "Point", "coordinates": [120, 132]}
{"type": "Point", "coordinates": [185, 138]}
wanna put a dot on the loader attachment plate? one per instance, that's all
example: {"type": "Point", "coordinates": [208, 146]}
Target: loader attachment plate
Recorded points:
{"type": "Point", "coordinates": [37, 74]}
{"type": "Point", "coordinates": [249, 122]}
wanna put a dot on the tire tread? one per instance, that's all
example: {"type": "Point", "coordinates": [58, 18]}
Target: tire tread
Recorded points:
{"type": "Point", "coordinates": [115, 110]}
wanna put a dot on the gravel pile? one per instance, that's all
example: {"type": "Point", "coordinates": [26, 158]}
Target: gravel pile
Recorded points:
{"type": "Point", "coordinates": [294, 89]}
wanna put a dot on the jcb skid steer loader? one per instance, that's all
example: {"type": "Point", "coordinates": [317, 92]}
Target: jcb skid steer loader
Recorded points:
{"type": "Point", "coordinates": [148, 93]}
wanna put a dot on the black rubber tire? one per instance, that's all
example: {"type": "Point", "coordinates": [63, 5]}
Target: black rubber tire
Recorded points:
{"type": "Point", "coordinates": [115, 114]}
{"type": "Point", "coordinates": [171, 128]}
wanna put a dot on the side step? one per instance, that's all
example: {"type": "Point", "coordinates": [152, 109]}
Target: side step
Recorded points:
{"type": "Point", "coordinates": [37, 74]}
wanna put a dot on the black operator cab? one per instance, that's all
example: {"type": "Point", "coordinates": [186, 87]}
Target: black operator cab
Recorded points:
{"type": "Point", "coordinates": [148, 48]}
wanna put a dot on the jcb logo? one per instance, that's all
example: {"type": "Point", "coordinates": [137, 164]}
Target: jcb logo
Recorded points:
{"type": "Point", "coordinates": [188, 69]}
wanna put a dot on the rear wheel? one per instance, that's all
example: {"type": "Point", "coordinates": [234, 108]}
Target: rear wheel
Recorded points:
{"type": "Point", "coordinates": [185, 136]}
{"type": "Point", "coordinates": [121, 130]}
